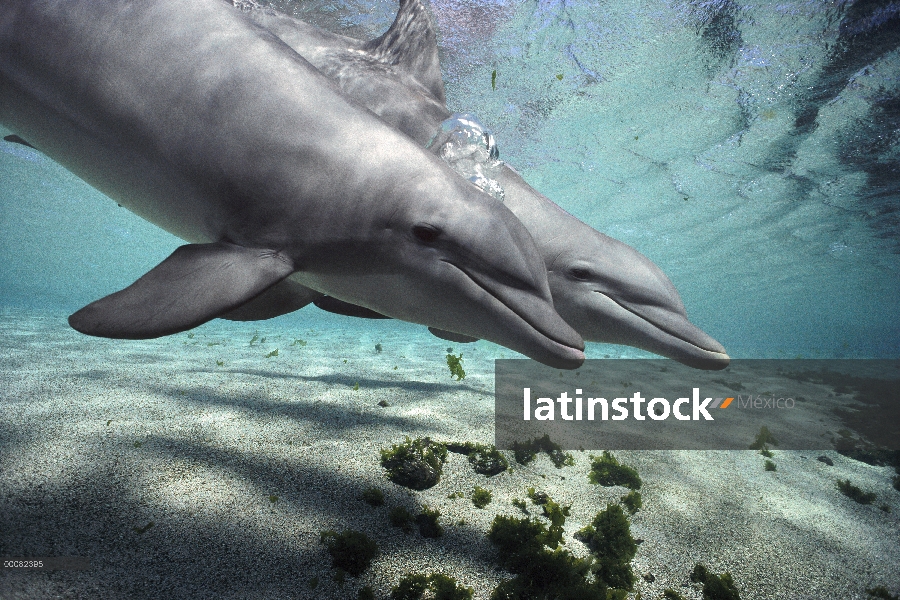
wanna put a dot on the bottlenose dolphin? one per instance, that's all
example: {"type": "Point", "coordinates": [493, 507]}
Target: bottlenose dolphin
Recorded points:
{"type": "Point", "coordinates": [208, 125]}
{"type": "Point", "coordinates": [607, 290]}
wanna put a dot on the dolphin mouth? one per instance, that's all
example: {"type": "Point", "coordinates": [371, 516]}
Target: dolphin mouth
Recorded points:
{"type": "Point", "coordinates": [562, 346]}
{"type": "Point", "coordinates": [683, 341]}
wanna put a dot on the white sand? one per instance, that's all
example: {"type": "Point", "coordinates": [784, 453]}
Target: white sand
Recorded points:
{"type": "Point", "coordinates": [99, 437]}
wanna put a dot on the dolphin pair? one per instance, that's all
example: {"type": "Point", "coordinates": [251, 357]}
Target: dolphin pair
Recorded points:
{"type": "Point", "coordinates": [605, 289]}
{"type": "Point", "coordinates": [210, 126]}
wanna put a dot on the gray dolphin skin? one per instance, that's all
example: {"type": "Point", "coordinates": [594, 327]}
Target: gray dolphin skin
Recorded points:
{"type": "Point", "coordinates": [607, 290]}
{"type": "Point", "coordinates": [208, 125]}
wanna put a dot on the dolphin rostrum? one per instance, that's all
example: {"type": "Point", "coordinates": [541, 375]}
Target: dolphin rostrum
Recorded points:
{"type": "Point", "coordinates": [208, 125]}
{"type": "Point", "coordinates": [607, 290]}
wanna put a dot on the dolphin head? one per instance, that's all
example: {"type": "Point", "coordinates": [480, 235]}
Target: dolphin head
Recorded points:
{"type": "Point", "coordinates": [609, 292]}
{"type": "Point", "coordinates": [449, 256]}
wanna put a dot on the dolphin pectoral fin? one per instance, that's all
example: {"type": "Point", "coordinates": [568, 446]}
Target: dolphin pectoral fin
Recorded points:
{"type": "Point", "coordinates": [13, 138]}
{"type": "Point", "coordinates": [452, 337]}
{"type": "Point", "coordinates": [339, 307]}
{"type": "Point", "coordinates": [410, 44]}
{"type": "Point", "coordinates": [282, 298]}
{"type": "Point", "coordinates": [198, 282]}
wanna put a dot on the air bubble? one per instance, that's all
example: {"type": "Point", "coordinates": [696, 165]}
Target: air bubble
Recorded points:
{"type": "Point", "coordinates": [469, 147]}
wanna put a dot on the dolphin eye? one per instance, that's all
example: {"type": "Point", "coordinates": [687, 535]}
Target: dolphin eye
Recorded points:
{"type": "Point", "coordinates": [582, 274]}
{"type": "Point", "coordinates": [426, 233]}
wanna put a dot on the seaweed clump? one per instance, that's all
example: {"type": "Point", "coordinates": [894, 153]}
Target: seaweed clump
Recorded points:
{"type": "Point", "coordinates": [484, 458]}
{"type": "Point", "coordinates": [881, 592]}
{"type": "Point", "coordinates": [400, 517]}
{"type": "Point", "coordinates": [868, 453]}
{"type": "Point", "coordinates": [763, 438]}
{"type": "Point", "coordinates": [525, 452]}
{"type": "Point", "coordinates": [609, 538]}
{"type": "Point", "coordinates": [487, 460]}
{"type": "Point", "coordinates": [553, 511]}
{"type": "Point", "coordinates": [715, 587]}
{"type": "Point", "coordinates": [607, 471]}
{"type": "Point", "coordinates": [351, 551]}
{"type": "Point", "coordinates": [144, 529]}
{"type": "Point", "coordinates": [428, 524]}
{"type": "Point", "coordinates": [481, 497]}
{"type": "Point", "coordinates": [455, 364]}
{"type": "Point", "coordinates": [632, 501]}
{"type": "Point", "coordinates": [373, 496]}
{"type": "Point", "coordinates": [366, 593]}
{"type": "Point", "coordinates": [542, 570]}
{"type": "Point", "coordinates": [855, 493]}
{"type": "Point", "coordinates": [416, 464]}
{"type": "Point", "coordinates": [415, 585]}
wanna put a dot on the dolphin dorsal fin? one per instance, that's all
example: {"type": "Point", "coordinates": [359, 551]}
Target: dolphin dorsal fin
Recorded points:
{"type": "Point", "coordinates": [410, 44]}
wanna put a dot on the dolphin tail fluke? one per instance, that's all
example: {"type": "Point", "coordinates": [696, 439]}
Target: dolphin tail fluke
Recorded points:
{"type": "Point", "coordinates": [451, 336]}
{"type": "Point", "coordinates": [410, 44]}
{"type": "Point", "coordinates": [197, 283]}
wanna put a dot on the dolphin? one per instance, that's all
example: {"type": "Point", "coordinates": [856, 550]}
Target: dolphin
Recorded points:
{"type": "Point", "coordinates": [208, 125]}
{"type": "Point", "coordinates": [607, 290]}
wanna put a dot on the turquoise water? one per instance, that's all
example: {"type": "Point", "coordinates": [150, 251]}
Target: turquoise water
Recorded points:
{"type": "Point", "coordinates": [750, 151]}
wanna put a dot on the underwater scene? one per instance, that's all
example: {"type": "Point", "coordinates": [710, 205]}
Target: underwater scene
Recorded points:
{"type": "Point", "coordinates": [742, 165]}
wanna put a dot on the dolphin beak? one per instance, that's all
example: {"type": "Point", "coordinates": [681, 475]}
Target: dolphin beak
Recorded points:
{"type": "Point", "coordinates": [507, 293]}
{"type": "Point", "coordinates": [537, 329]}
{"type": "Point", "coordinates": [556, 343]}
{"type": "Point", "coordinates": [664, 331]}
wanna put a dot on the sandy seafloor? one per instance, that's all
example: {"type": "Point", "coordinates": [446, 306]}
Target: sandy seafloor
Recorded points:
{"type": "Point", "coordinates": [100, 437]}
